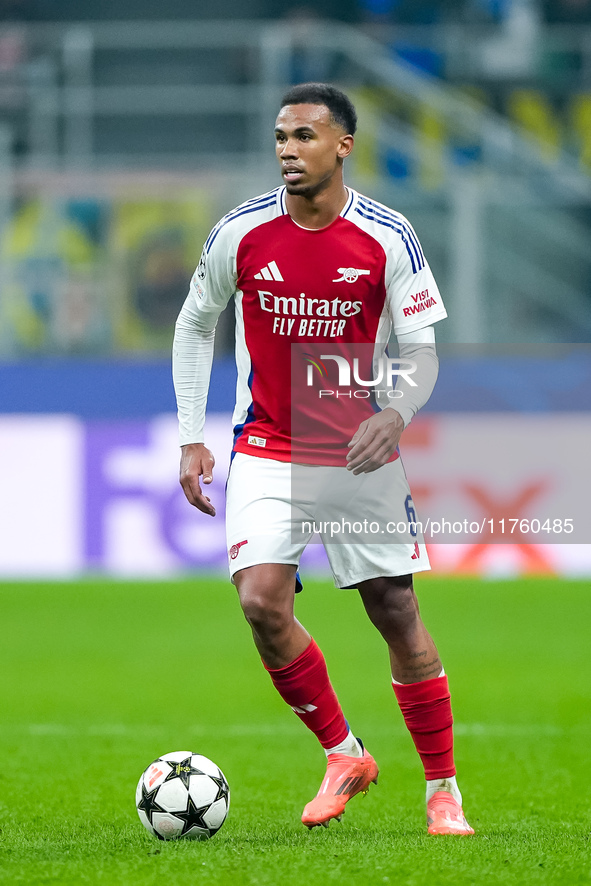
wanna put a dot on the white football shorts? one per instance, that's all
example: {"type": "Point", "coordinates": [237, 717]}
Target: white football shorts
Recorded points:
{"type": "Point", "coordinates": [367, 523]}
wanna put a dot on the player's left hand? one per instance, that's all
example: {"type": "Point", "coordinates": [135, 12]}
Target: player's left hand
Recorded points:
{"type": "Point", "coordinates": [375, 441]}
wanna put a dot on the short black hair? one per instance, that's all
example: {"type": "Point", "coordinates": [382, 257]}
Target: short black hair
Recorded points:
{"type": "Point", "coordinates": [340, 105]}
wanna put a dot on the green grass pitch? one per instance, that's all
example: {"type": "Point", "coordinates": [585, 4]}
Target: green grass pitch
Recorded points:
{"type": "Point", "coordinates": [98, 678]}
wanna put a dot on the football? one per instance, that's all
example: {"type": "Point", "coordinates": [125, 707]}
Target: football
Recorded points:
{"type": "Point", "coordinates": [182, 795]}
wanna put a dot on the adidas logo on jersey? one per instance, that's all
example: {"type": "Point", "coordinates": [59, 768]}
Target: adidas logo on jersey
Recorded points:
{"type": "Point", "coordinates": [269, 272]}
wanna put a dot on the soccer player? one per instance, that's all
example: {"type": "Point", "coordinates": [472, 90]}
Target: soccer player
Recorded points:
{"type": "Point", "coordinates": [313, 264]}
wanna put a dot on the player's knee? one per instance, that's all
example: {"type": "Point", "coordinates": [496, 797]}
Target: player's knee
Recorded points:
{"type": "Point", "coordinates": [263, 615]}
{"type": "Point", "coordinates": [266, 598]}
{"type": "Point", "coordinates": [391, 601]}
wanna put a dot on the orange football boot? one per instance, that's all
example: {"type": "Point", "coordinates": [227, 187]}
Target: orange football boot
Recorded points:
{"type": "Point", "coordinates": [446, 816]}
{"type": "Point", "coordinates": [345, 777]}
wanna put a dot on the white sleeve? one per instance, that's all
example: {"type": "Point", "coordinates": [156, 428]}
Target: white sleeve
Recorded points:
{"type": "Point", "coordinates": [192, 356]}
{"type": "Point", "coordinates": [417, 348]}
{"type": "Point", "coordinates": [212, 286]}
{"type": "Point", "coordinates": [413, 296]}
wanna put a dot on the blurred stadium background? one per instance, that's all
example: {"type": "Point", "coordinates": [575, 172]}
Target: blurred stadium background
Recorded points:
{"type": "Point", "coordinates": [128, 128]}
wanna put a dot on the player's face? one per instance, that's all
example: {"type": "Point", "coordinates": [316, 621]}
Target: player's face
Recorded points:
{"type": "Point", "coordinates": [310, 148]}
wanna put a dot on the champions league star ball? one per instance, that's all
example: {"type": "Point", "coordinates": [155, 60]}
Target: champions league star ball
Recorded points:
{"type": "Point", "coordinates": [182, 795]}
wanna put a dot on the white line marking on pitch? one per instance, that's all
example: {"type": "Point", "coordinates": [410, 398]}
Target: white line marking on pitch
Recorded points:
{"type": "Point", "coordinates": [237, 730]}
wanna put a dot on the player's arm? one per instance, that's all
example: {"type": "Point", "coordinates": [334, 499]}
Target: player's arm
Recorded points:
{"type": "Point", "coordinates": [210, 290]}
{"type": "Point", "coordinates": [192, 357]}
{"type": "Point", "coordinates": [414, 304]}
{"type": "Point", "coordinates": [377, 438]}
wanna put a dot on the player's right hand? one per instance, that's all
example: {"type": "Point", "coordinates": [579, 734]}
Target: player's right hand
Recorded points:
{"type": "Point", "coordinates": [197, 461]}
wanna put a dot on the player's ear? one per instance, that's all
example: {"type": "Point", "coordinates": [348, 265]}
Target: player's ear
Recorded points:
{"type": "Point", "coordinates": [345, 146]}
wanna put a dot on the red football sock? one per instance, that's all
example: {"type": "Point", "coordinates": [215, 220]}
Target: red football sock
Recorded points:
{"type": "Point", "coordinates": [426, 708]}
{"type": "Point", "coordinates": [305, 686]}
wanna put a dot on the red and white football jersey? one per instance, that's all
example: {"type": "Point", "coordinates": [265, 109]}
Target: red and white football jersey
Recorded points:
{"type": "Point", "coordinates": [301, 294]}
